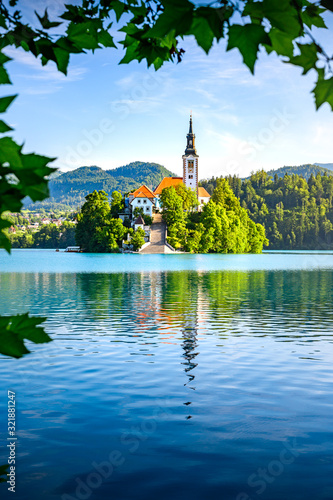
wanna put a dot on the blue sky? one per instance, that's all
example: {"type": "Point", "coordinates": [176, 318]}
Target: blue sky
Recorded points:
{"type": "Point", "coordinates": [109, 115]}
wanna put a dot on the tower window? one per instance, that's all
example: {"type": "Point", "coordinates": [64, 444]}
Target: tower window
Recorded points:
{"type": "Point", "coordinates": [190, 176]}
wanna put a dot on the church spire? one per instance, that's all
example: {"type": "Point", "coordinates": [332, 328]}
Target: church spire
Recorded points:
{"type": "Point", "coordinates": [190, 146]}
{"type": "Point", "coordinates": [190, 131]}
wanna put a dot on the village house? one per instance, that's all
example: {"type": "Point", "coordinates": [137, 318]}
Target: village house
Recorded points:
{"type": "Point", "coordinates": [143, 198]}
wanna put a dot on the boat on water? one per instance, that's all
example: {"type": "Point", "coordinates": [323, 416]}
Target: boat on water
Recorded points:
{"type": "Point", "coordinates": [73, 249]}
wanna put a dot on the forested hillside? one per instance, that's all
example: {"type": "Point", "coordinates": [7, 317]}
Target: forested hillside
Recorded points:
{"type": "Point", "coordinates": [69, 189]}
{"type": "Point", "coordinates": [297, 213]}
{"type": "Point", "coordinates": [303, 170]}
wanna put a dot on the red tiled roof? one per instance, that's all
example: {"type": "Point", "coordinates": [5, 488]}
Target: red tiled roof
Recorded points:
{"type": "Point", "coordinates": [167, 182]}
{"type": "Point", "coordinates": [202, 193]}
{"type": "Point", "coordinates": [145, 190]}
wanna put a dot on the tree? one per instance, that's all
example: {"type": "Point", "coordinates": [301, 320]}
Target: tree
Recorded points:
{"type": "Point", "coordinates": [172, 206]}
{"type": "Point", "coordinates": [97, 230]}
{"type": "Point", "coordinates": [137, 238]}
{"type": "Point", "coordinates": [188, 196]}
{"type": "Point", "coordinates": [117, 203]}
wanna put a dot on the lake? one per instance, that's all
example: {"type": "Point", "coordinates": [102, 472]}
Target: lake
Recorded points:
{"type": "Point", "coordinates": [172, 376]}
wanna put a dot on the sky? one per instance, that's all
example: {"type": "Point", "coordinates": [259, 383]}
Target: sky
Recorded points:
{"type": "Point", "coordinates": [109, 115]}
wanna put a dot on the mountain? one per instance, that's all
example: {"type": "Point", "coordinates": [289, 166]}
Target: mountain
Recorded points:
{"type": "Point", "coordinates": [69, 189]}
{"type": "Point", "coordinates": [329, 166]}
{"type": "Point", "coordinates": [303, 170]}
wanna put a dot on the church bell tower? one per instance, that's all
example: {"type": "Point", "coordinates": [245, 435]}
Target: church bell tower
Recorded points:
{"type": "Point", "coordinates": [190, 161]}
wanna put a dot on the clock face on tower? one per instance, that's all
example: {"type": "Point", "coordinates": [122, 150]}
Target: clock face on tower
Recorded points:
{"type": "Point", "coordinates": [190, 170]}
{"type": "Point", "coordinates": [190, 143]}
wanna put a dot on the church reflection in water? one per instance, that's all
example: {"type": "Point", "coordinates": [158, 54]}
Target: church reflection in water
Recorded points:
{"type": "Point", "coordinates": [176, 308]}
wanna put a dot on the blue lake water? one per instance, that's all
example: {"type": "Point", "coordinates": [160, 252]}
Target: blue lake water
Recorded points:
{"type": "Point", "coordinates": [172, 376]}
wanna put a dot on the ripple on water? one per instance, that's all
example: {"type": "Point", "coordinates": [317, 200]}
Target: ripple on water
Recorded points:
{"type": "Point", "coordinates": [196, 379]}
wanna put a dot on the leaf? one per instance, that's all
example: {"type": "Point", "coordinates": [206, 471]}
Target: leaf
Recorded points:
{"type": "Point", "coordinates": [323, 92]}
{"type": "Point", "coordinates": [11, 345]}
{"type": "Point", "coordinates": [4, 78]}
{"type": "Point", "coordinates": [84, 35]}
{"type": "Point", "coordinates": [9, 152]}
{"type": "Point", "coordinates": [4, 58]}
{"type": "Point", "coordinates": [62, 57]}
{"type": "Point", "coordinates": [119, 8]}
{"type": "Point", "coordinates": [215, 19]}
{"type": "Point", "coordinates": [4, 127]}
{"type": "Point", "coordinates": [203, 33]}
{"type": "Point", "coordinates": [3, 21]}
{"type": "Point", "coordinates": [131, 53]}
{"type": "Point", "coordinates": [45, 22]}
{"type": "Point", "coordinates": [37, 192]}
{"type": "Point", "coordinates": [312, 16]}
{"type": "Point", "coordinates": [282, 43]}
{"type": "Point", "coordinates": [307, 58]}
{"type": "Point", "coordinates": [328, 4]}
{"type": "Point", "coordinates": [6, 101]}
{"type": "Point", "coordinates": [282, 14]}
{"type": "Point", "coordinates": [254, 9]}
{"type": "Point", "coordinates": [176, 16]}
{"type": "Point", "coordinates": [106, 39]}
{"type": "Point", "coordinates": [15, 329]}
{"type": "Point", "coordinates": [247, 39]}
{"type": "Point", "coordinates": [25, 46]}
{"type": "Point", "coordinates": [36, 161]}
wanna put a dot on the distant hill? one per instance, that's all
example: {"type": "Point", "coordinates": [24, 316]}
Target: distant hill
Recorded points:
{"type": "Point", "coordinates": [303, 170]}
{"type": "Point", "coordinates": [69, 189]}
{"type": "Point", "coordinates": [329, 166]}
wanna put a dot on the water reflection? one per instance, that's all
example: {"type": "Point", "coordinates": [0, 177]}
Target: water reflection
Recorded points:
{"type": "Point", "coordinates": [287, 305]}
{"type": "Point", "coordinates": [242, 360]}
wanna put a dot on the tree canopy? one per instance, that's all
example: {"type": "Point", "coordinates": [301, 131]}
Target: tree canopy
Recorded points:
{"type": "Point", "coordinates": [297, 213]}
{"type": "Point", "coordinates": [223, 226]}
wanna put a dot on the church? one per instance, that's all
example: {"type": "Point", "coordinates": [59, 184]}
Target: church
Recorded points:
{"type": "Point", "coordinates": [149, 200]}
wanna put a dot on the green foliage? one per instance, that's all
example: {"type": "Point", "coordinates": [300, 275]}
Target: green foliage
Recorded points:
{"type": "Point", "coordinates": [172, 204]}
{"type": "Point", "coordinates": [97, 230]}
{"type": "Point", "coordinates": [222, 227]}
{"type": "Point", "coordinates": [137, 238]}
{"type": "Point", "coordinates": [152, 31]}
{"type": "Point", "coordinates": [148, 220]}
{"type": "Point", "coordinates": [15, 329]}
{"type": "Point", "coordinates": [296, 212]}
{"type": "Point", "coordinates": [117, 203]}
{"type": "Point", "coordinates": [48, 236]}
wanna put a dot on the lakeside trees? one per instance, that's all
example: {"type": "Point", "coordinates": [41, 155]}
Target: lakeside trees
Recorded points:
{"type": "Point", "coordinates": [223, 226]}
{"type": "Point", "coordinates": [99, 230]}
{"type": "Point", "coordinates": [48, 236]}
{"type": "Point", "coordinates": [296, 213]}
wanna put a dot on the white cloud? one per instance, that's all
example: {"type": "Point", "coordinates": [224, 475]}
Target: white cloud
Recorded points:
{"type": "Point", "coordinates": [47, 73]}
